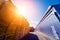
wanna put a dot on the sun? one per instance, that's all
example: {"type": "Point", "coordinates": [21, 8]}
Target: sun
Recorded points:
{"type": "Point", "coordinates": [22, 10]}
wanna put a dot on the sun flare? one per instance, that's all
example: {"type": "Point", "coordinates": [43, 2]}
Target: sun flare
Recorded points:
{"type": "Point", "coordinates": [22, 10]}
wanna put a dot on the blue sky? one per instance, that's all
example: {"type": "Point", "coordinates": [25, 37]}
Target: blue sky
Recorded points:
{"type": "Point", "coordinates": [39, 6]}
